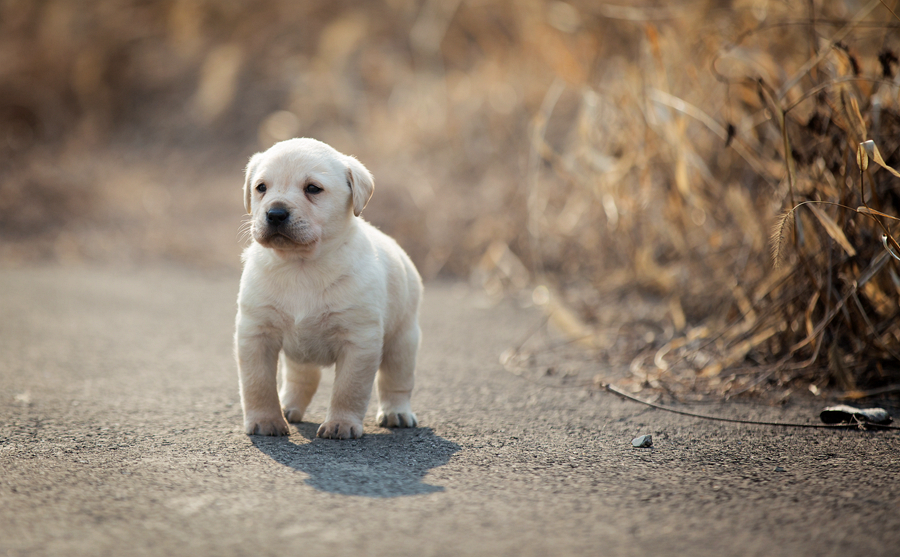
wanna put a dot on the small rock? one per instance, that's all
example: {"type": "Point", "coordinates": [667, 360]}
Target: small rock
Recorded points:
{"type": "Point", "coordinates": [642, 441]}
{"type": "Point", "coordinates": [779, 469]}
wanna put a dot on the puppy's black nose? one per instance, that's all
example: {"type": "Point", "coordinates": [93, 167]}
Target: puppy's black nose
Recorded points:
{"type": "Point", "coordinates": [277, 215]}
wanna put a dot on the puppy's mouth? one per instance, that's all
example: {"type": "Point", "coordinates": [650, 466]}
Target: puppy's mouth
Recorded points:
{"type": "Point", "coordinates": [285, 239]}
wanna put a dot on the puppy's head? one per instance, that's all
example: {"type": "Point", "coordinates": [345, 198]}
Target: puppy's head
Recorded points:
{"type": "Point", "coordinates": [302, 193]}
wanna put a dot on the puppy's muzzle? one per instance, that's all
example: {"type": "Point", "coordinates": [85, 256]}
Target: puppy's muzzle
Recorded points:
{"type": "Point", "coordinates": [280, 228]}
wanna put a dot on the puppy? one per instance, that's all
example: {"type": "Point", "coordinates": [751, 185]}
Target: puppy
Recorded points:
{"type": "Point", "coordinates": [321, 286]}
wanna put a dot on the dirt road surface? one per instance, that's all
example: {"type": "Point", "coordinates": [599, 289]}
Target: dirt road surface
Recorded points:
{"type": "Point", "coordinates": [120, 434]}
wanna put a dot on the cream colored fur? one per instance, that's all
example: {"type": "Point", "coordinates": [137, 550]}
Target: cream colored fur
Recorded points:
{"type": "Point", "coordinates": [322, 287]}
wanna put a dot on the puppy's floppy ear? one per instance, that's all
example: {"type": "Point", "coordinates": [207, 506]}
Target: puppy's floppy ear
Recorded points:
{"type": "Point", "coordinates": [361, 183]}
{"type": "Point", "coordinates": [248, 175]}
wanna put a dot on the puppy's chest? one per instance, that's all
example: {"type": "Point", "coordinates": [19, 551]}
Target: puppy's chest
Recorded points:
{"type": "Point", "coordinates": [315, 337]}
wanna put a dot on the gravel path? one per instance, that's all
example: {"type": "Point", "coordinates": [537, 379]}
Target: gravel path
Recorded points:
{"type": "Point", "coordinates": [120, 434]}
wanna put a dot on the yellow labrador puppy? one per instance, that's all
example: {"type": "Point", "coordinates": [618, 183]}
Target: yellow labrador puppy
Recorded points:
{"type": "Point", "coordinates": [321, 286]}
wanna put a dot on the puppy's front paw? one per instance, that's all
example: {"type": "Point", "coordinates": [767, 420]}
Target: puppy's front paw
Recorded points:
{"type": "Point", "coordinates": [340, 429]}
{"type": "Point", "coordinates": [396, 419]}
{"type": "Point", "coordinates": [275, 425]}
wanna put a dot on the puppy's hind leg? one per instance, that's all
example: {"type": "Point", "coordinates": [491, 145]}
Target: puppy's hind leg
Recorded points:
{"type": "Point", "coordinates": [396, 379]}
{"type": "Point", "coordinates": [298, 385]}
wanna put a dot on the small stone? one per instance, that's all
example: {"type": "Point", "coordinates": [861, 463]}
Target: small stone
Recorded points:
{"type": "Point", "coordinates": [779, 469]}
{"type": "Point", "coordinates": [642, 441]}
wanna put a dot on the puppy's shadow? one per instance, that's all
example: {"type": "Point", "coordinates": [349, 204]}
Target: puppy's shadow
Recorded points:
{"type": "Point", "coordinates": [390, 464]}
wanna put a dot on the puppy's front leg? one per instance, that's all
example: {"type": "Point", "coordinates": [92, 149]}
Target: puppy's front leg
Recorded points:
{"type": "Point", "coordinates": [257, 355]}
{"type": "Point", "coordinates": [354, 374]}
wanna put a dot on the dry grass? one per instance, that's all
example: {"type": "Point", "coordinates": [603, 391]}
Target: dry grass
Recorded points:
{"type": "Point", "coordinates": [625, 163]}
{"type": "Point", "coordinates": [687, 200]}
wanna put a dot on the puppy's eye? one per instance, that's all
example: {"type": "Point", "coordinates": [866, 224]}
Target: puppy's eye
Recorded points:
{"type": "Point", "coordinates": [261, 188]}
{"type": "Point", "coordinates": [313, 189]}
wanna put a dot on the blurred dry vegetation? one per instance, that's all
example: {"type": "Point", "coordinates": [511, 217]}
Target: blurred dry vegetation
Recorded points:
{"type": "Point", "coordinates": [621, 162]}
